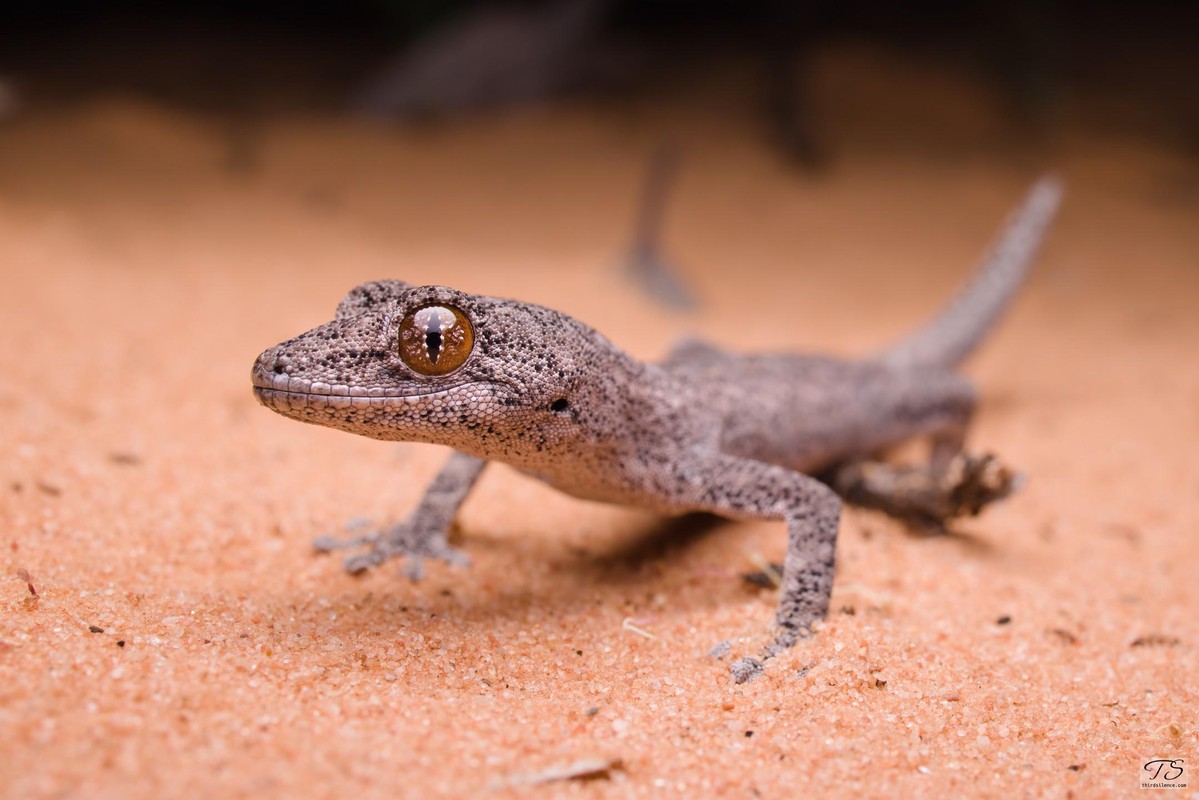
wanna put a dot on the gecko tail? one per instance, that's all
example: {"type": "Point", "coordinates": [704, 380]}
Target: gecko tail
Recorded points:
{"type": "Point", "coordinates": [956, 331]}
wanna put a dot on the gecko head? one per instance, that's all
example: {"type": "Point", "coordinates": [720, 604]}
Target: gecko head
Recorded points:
{"type": "Point", "coordinates": [494, 378]}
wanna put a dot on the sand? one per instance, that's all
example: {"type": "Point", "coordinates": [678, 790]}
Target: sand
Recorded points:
{"type": "Point", "coordinates": [185, 641]}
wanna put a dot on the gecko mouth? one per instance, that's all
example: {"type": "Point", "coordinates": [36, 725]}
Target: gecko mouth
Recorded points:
{"type": "Point", "coordinates": [285, 391]}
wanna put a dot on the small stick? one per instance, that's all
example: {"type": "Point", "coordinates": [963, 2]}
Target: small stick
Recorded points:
{"type": "Point", "coordinates": [630, 625]}
{"type": "Point", "coordinates": [645, 263]}
{"type": "Point", "coordinates": [24, 575]}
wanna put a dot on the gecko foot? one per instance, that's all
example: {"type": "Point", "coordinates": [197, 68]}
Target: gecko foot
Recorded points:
{"type": "Point", "coordinates": [746, 669]}
{"type": "Point", "coordinates": [927, 496]}
{"type": "Point", "coordinates": [974, 482]}
{"type": "Point", "coordinates": [401, 541]}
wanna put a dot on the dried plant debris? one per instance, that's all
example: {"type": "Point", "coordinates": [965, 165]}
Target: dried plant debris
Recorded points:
{"type": "Point", "coordinates": [769, 574]}
{"type": "Point", "coordinates": [585, 769]}
{"type": "Point", "coordinates": [24, 575]}
{"type": "Point", "coordinates": [125, 458]}
{"type": "Point", "coordinates": [1064, 635]}
{"type": "Point", "coordinates": [1156, 640]}
{"type": "Point", "coordinates": [634, 626]}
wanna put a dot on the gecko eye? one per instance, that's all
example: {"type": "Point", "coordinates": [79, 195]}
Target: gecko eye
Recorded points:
{"type": "Point", "coordinates": [436, 340]}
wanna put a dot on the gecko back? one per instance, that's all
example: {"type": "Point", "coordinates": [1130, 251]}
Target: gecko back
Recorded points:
{"type": "Point", "coordinates": [810, 412]}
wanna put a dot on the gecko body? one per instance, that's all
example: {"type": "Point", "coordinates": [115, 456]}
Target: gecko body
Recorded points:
{"type": "Point", "coordinates": [703, 430]}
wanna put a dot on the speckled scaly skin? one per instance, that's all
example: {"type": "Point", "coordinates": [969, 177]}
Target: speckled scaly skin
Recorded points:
{"type": "Point", "coordinates": [704, 430]}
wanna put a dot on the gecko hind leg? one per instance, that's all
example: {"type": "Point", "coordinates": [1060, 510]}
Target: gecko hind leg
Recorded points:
{"type": "Point", "coordinates": [928, 496]}
{"type": "Point", "coordinates": [952, 483]}
{"type": "Point", "coordinates": [425, 534]}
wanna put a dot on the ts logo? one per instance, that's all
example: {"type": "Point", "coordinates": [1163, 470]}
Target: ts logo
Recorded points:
{"type": "Point", "coordinates": [1166, 769]}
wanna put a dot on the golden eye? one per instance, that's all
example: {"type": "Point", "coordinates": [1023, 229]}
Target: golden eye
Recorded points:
{"type": "Point", "coordinates": [436, 340]}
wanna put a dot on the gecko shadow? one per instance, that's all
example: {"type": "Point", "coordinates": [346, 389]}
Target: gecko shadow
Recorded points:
{"type": "Point", "coordinates": [443, 607]}
{"type": "Point", "coordinates": [665, 538]}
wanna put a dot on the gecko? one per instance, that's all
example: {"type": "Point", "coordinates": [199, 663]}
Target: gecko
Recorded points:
{"type": "Point", "coordinates": [743, 436]}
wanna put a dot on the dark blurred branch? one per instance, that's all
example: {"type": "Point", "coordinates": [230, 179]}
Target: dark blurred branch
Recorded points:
{"type": "Point", "coordinates": [491, 57]}
{"type": "Point", "coordinates": [645, 263]}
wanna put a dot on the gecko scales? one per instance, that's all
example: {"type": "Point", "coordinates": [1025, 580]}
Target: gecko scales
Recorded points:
{"type": "Point", "coordinates": [742, 436]}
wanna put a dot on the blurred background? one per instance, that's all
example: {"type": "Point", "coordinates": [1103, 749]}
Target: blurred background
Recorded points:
{"type": "Point", "coordinates": [1122, 67]}
{"type": "Point", "coordinates": [595, 124]}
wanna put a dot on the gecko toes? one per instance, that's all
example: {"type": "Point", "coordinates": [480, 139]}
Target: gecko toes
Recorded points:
{"type": "Point", "coordinates": [327, 544]}
{"type": "Point", "coordinates": [397, 543]}
{"type": "Point", "coordinates": [414, 568]}
{"type": "Point", "coordinates": [360, 563]}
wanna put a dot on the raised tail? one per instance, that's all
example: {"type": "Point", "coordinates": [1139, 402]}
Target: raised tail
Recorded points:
{"type": "Point", "coordinates": [956, 331]}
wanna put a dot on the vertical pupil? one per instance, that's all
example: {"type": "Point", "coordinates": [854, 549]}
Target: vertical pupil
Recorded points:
{"type": "Point", "coordinates": [433, 344]}
{"type": "Point", "coordinates": [433, 338]}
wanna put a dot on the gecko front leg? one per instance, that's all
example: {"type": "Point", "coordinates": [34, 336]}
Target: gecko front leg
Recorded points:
{"type": "Point", "coordinates": [425, 533]}
{"type": "Point", "coordinates": [749, 489]}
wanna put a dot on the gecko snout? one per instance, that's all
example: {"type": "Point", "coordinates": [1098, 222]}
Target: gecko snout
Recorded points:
{"type": "Point", "coordinates": [268, 363]}
{"type": "Point", "coordinates": [270, 371]}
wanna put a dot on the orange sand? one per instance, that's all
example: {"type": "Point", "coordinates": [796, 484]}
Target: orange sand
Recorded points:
{"type": "Point", "coordinates": [148, 495]}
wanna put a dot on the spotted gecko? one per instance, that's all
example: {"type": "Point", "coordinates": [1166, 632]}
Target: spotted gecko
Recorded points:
{"type": "Point", "coordinates": [766, 436]}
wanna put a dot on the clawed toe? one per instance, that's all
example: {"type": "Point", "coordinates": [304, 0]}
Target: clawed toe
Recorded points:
{"type": "Point", "coordinates": [397, 543]}
{"type": "Point", "coordinates": [360, 563]}
{"type": "Point", "coordinates": [327, 544]}
{"type": "Point", "coordinates": [977, 481]}
{"type": "Point", "coordinates": [452, 556]}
